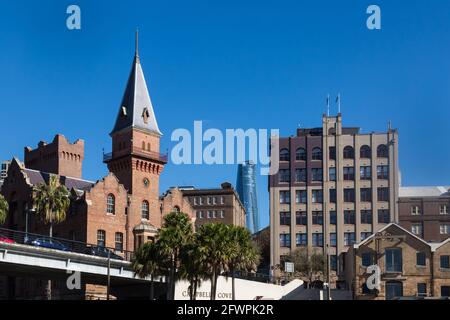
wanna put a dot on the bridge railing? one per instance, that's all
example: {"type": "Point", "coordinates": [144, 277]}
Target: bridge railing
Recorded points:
{"type": "Point", "coordinates": [44, 241]}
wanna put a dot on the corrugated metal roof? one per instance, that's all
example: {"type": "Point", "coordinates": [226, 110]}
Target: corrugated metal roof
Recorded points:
{"type": "Point", "coordinates": [436, 191]}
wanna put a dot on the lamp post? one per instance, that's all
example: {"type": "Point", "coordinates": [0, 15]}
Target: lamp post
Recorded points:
{"type": "Point", "coordinates": [27, 212]}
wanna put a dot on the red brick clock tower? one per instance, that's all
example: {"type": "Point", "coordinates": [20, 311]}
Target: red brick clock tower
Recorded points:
{"type": "Point", "coordinates": [135, 157]}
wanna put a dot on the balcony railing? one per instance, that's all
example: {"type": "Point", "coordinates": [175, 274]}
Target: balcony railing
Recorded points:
{"type": "Point", "coordinates": [136, 151]}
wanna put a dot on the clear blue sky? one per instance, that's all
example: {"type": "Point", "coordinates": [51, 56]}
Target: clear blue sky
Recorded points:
{"type": "Point", "coordinates": [233, 64]}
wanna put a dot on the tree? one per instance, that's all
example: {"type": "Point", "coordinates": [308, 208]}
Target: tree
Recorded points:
{"type": "Point", "coordinates": [51, 202]}
{"type": "Point", "coordinates": [309, 266]}
{"type": "Point", "coordinates": [242, 255]}
{"type": "Point", "coordinates": [214, 241]}
{"type": "Point", "coordinates": [149, 260]}
{"type": "Point", "coordinates": [262, 242]}
{"type": "Point", "coordinates": [176, 232]}
{"type": "Point", "coordinates": [3, 209]}
{"type": "Point", "coordinates": [193, 267]}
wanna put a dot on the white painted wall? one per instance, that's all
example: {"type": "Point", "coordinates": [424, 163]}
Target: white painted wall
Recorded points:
{"type": "Point", "coordinates": [245, 290]}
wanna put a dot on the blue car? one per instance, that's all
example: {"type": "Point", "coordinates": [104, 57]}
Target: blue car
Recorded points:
{"type": "Point", "coordinates": [49, 243]}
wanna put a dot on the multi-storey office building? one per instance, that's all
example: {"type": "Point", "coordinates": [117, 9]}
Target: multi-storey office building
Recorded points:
{"type": "Point", "coordinates": [425, 211]}
{"type": "Point", "coordinates": [246, 188]}
{"type": "Point", "coordinates": [221, 205]}
{"type": "Point", "coordinates": [335, 187]}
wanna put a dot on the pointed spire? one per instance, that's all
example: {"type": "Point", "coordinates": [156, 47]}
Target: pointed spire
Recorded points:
{"type": "Point", "coordinates": [136, 109]}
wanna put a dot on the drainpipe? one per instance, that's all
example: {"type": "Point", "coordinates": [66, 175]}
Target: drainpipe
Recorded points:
{"type": "Point", "coordinates": [432, 274]}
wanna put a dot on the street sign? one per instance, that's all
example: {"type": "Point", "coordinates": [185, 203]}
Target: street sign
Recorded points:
{"type": "Point", "coordinates": [289, 267]}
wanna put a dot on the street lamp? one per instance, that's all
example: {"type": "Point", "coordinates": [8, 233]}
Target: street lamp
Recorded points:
{"type": "Point", "coordinates": [27, 211]}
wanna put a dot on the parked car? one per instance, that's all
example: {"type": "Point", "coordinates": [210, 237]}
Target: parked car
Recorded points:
{"type": "Point", "coordinates": [49, 243]}
{"type": "Point", "coordinates": [102, 252]}
{"type": "Point", "coordinates": [6, 240]}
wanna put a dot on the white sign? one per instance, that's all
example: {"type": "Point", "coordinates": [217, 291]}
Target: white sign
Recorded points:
{"type": "Point", "coordinates": [289, 267]}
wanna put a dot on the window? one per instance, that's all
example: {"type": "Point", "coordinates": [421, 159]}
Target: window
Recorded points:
{"type": "Point", "coordinates": [301, 218]}
{"type": "Point", "coordinates": [285, 175]}
{"type": "Point", "coordinates": [209, 200]}
{"type": "Point", "coordinates": [285, 197]}
{"type": "Point", "coordinates": [317, 174]}
{"type": "Point", "coordinates": [394, 289]}
{"type": "Point", "coordinates": [445, 291]}
{"type": "Point", "coordinates": [333, 240]}
{"type": "Point", "coordinates": [349, 217]}
{"type": "Point", "coordinates": [366, 194]}
{"type": "Point", "coordinates": [145, 210]}
{"type": "Point", "coordinates": [366, 217]}
{"type": "Point", "coordinates": [118, 241]}
{"type": "Point", "coordinates": [317, 154]}
{"type": "Point", "coordinates": [382, 151]}
{"type": "Point", "coordinates": [214, 214]}
{"type": "Point", "coordinates": [285, 218]}
{"type": "Point", "coordinates": [143, 145]}
{"type": "Point", "coordinates": [332, 151]}
{"type": "Point", "coordinates": [445, 228]}
{"type": "Point", "coordinates": [214, 200]}
{"type": "Point", "coordinates": [383, 194]}
{"type": "Point", "coordinates": [222, 200]}
{"type": "Point", "coordinates": [445, 262]}
{"type": "Point", "coordinates": [383, 172]}
{"type": "Point", "coordinates": [365, 172]}
{"type": "Point", "coordinates": [349, 173]}
{"type": "Point", "coordinates": [394, 259]}
{"type": "Point", "coordinates": [200, 214]}
{"type": "Point", "coordinates": [301, 239]}
{"type": "Point", "coordinates": [284, 155]}
{"type": "Point", "coordinates": [349, 195]}
{"type": "Point", "coordinates": [349, 238]}
{"type": "Point", "coordinates": [301, 196]}
{"type": "Point", "coordinates": [317, 217]}
{"type": "Point", "coordinates": [384, 216]}
{"type": "Point", "coordinates": [200, 202]}
{"type": "Point", "coordinates": [421, 259]}
{"type": "Point", "coordinates": [415, 210]}
{"type": "Point", "coordinates": [333, 195]}
{"type": "Point", "coordinates": [367, 259]}
{"type": "Point", "coordinates": [317, 239]}
{"type": "Point", "coordinates": [349, 152]}
{"type": "Point", "coordinates": [111, 204]}
{"type": "Point", "coordinates": [333, 263]}
{"type": "Point", "coordinates": [300, 175]}
{"type": "Point", "coordinates": [195, 201]}
{"type": "Point", "coordinates": [300, 154]}
{"type": "Point", "coordinates": [101, 238]}
{"type": "Point", "coordinates": [443, 209]}
{"type": "Point", "coordinates": [176, 209]}
{"type": "Point", "coordinates": [221, 214]}
{"type": "Point", "coordinates": [332, 174]}
{"type": "Point", "coordinates": [317, 196]}
{"type": "Point", "coordinates": [365, 152]}
{"type": "Point", "coordinates": [209, 214]}
{"type": "Point", "coordinates": [333, 217]}
{"type": "Point", "coordinates": [285, 240]}
{"type": "Point", "coordinates": [422, 289]}
{"type": "Point", "coordinates": [365, 235]}
{"type": "Point", "coordinates": [417, 229]}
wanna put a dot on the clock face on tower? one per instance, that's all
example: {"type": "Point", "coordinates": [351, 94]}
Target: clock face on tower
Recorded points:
{"type": "Point", "coordinates": [146, 182]}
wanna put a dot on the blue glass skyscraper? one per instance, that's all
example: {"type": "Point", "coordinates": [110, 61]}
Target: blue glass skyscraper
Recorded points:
{"type": "Point", "coordinates": [246, 189]}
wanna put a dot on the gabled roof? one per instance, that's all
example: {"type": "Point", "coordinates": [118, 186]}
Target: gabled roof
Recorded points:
{"type": "Point", "coordinates": [368, 239]}
{"type": "Point", "coordinates": [36, 177]}
{"type": "Point", "coordinates": [136, 109]}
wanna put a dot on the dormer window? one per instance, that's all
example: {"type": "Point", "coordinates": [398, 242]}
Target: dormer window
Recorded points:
{"type": "Point", "coordinates": [145, 115]}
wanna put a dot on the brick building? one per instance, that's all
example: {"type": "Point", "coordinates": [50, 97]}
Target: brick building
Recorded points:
{"type": "Point", "coordinates": [335, 187]}
{"type": "Point", "coordinates": [120, 211]}
{"type": "Point", "coordinates": [410, 266]}
{"type": "Point", "coordinates": [221, 205]}
{"type": "Point", "coordinates": [425, 211]}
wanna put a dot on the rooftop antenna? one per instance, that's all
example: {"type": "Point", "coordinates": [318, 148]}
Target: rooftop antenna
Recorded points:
{"type": "Point", "coordinates": [328, 105]}
{"type": "Point", "coordinates": [338, 101]}
{"type": "Point", "coordinates": [389, 125]}
{"type": "Point", "coordinates": [136, 50]}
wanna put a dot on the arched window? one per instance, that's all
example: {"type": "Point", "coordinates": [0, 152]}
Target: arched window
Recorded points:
{"type": "Point", "coordinates": [148, 146]}
{"type": "Point", "coordinates": [349, 152]}
{"type": "Point", "coordinates": [145, 210]}
{"type": "Point", "coordinates": [176, 209]}
{"type": "Point", "coordinates": [317, 154]}
{"type": "Point", "coordinates": [300, 154]}
{"type": "Point", "coordinates": [101, 238]}
{"type": "Point", "coordinates": [111, 204]}
{"type": "Point", "coordinates": [365, 152]}
{"type": "Point", "coordinates": [284, 155]}
{"type": "Point", "coordinates": [143, 145]}
{"type": "Point", "coordinates": [382, 151]}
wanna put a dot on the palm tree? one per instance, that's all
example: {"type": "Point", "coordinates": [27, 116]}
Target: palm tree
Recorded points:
{"type": "Point", "coordinates": [192, 266]}
{"type": "Point", "coordinates": [242, 254]}
{"type": "Point", "coordinates": [175, 233]}
{"type": "Point", "coordinates": [214, 241]}
{"type": "Point", "coordinates": [51, 202]}
{"type": "Point", "coordinates": [3, 209]}
{"type": "Point", "coordinates": [149, 260]}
